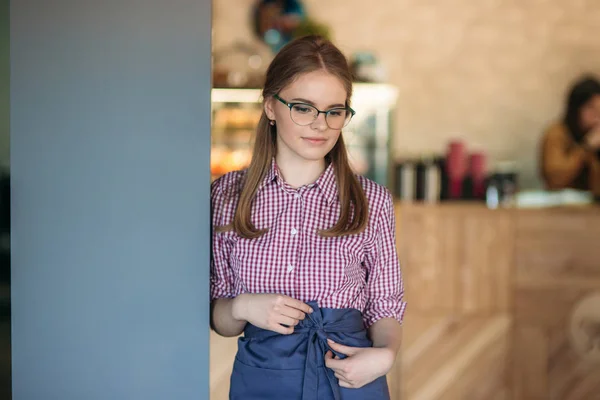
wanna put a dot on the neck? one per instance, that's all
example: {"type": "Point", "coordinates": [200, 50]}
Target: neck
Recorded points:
{"type": "Point", "coordinates": [298, 173]}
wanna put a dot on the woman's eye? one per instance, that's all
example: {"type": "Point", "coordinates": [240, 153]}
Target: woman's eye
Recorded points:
{"type": "Point", "coordinates": [302, 109]}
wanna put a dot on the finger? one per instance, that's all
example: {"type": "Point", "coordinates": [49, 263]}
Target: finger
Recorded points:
{"type": "Point", "coordinates": [328, 358]}
{"type": "Point", "coordinates": [341, 377]}
{"type": "Point", "coordinates": [330, 362]}
{"type": "Point", "coordinates": [284, 320]}
{"type": "Point", "coordinates": [293, 313]}
{"type": "Point", "coordinates": [345, 384]}
{"type": "Point", "coordinates": [340, 348]}
{"type": "Point", "coordinates": [281, 329]}
{"type": "Point", "coordinates": [297, 304]}
{"type": "Point", "coordinates": [336, 365]}
{"type": "Point", "coordinates": [281, 308]}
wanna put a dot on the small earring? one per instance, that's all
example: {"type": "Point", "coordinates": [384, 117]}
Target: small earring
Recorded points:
{"type": "Point", "coordinates": [272, 123]}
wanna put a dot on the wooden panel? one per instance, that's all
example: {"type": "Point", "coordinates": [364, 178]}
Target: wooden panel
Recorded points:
{"type": "Point", "coordinates": [530, 358]}
{"type": "Point", "coordinates": [558, 247]}
{"type": "Point", "coordinates": [421, 266]}
{"type": "Point", "coordinates": [534, 266]}
{"type": "Point", "coordinates": [457, 259]}
{"type": "Point", "coordinates": [570, 376]}
{"type": "Point", "coordinates": [487, 263]}
{"type": "Point", "coordinates": [455, 358]}
{"type": "Point", "coordinates": [546, 363]}
{"type": "Point", "coordinates": [557, 257]}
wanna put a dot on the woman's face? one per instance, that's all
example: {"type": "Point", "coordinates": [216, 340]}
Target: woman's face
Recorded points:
{"type": "Point", "coordinates": [589, 115]}
{"type": "Point", "coordinates": [314, 141]}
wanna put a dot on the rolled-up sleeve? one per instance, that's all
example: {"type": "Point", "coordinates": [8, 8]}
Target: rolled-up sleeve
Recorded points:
{"type": "Point", "coordinates": [385, 288]}
{"type": "Point", "coordinates": [221, 275]}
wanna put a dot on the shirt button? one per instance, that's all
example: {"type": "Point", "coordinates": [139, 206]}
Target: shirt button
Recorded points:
{"type": "Point", "coordinates": [298, 195]}
{"type": "Point", "coordinates": [290, 268]}
{"type": "Point", "coordinates": [294, 231]}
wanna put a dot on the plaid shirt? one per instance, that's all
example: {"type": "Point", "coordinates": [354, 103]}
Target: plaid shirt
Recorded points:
{"type": "Point", "coordinates": [358, 271]}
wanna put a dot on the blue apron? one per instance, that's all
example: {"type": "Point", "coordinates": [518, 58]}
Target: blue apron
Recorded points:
{"type": "Point", "coordinates": [270, 366]}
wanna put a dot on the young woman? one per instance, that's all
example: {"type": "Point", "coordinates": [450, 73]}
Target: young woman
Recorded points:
{"type": "Point", "coordinates": [570, 149]}
{"type": "Point", "coordinates": [304, 258]}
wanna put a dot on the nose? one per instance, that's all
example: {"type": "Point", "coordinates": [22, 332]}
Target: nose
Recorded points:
{"type": "Point", "coordinates": [320, 123]}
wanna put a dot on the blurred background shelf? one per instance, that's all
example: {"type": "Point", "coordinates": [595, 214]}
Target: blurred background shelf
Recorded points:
{"type": "Point", "coordinates": [368, 137]}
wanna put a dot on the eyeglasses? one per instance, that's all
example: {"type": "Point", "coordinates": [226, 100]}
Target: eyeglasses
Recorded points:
{"type": "Point", "coordinates": [304, 114]}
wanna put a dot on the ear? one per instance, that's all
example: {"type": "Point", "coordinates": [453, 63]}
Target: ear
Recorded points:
{"type": "Point", "coordinates": [270, 108]}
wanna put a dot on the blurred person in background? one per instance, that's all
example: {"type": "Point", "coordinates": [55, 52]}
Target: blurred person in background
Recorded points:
{"type": "Point", "coordinates": [570, 149]}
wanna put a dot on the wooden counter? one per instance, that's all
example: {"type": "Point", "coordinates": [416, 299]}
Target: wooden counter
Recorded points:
{"type": "Point", "coordinates": [490, 296]}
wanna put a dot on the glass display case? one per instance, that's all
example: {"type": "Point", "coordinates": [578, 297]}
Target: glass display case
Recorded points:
{"type": "Point", "coordinates": [368, 137]}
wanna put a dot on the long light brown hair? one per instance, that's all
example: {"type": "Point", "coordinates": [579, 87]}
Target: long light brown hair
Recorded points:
{"type": "Point", "coordinates": [304, 55]}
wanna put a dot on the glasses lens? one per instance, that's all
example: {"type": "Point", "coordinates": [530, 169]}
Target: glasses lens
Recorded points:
{"type": "Point", "coordinates": [338, 118]}
{"type": "Point", "coordinates": [303, 114]}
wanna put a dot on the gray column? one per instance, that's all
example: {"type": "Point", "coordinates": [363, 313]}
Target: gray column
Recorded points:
{"type": "Point", "coordinates": [110, 145]}
{"type": "Point", "coordinates": [4, 82]}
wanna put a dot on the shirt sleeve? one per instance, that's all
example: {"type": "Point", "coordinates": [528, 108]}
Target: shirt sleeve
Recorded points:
{"type": "Point", "coordinates": [385, 289]}
{"type": "Point", "coordinates": [221, 275]}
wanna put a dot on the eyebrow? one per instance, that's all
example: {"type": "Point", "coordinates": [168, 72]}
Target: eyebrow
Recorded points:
{"type": "Point", "coordinates": [337, 105]}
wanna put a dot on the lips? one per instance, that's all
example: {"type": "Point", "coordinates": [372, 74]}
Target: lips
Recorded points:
{"type": "Point", "coordinates": [315, 140]}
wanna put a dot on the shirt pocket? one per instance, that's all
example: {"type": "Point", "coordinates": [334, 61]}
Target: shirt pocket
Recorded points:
{"type": "Point", "coordinates": [350, 253]}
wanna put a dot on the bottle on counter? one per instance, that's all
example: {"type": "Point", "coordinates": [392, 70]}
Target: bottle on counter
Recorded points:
{"type": "Point", "coordinates": [502, 186]}
{"type": "Point", "coordinates": [492, 193]}
{"type": "Point", "coordinates": [456, 169]}
{"type": "Point", "coordinates": [418, 180]}
{"type": "Point", "coordinates": [404, 184]}
{"type": "Point", "coordinates": [440, 162]}
{"type": "Point", "coordinates": [428, 177]}
{"type": "Point", "coordinates": [477, 174]}
{"type": "Point", "coordinates": [508, 176]}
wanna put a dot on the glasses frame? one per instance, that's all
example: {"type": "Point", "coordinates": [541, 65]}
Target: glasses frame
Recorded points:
{"type": "Point", "coordinates": [290, 105]}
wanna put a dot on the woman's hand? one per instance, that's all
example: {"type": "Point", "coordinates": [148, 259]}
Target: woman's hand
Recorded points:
{"type": "Point", "coordinates": [270, 311]}
{"type": "Point", "coordinates": [592, 139]}
{"type": "Point", "coordinates": [362, 366]}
